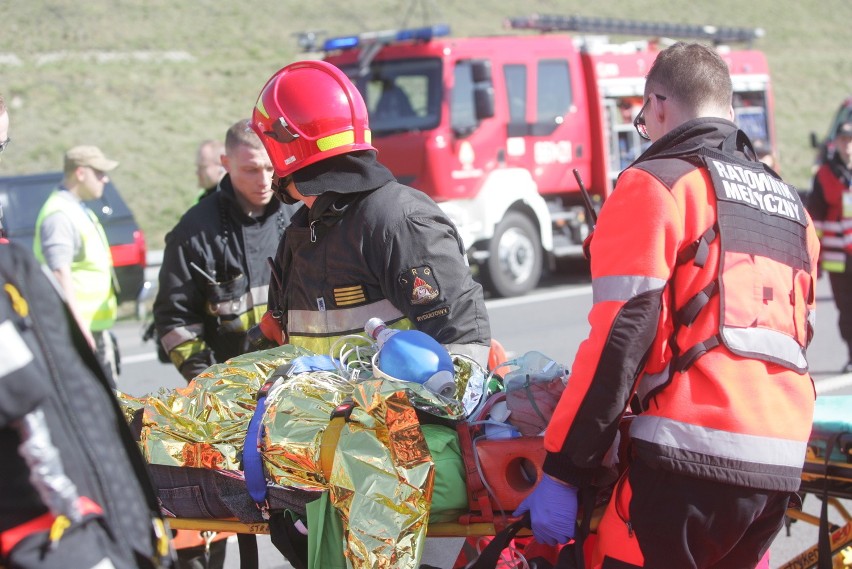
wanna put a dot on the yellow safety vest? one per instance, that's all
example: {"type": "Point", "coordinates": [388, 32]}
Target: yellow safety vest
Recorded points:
{"type": "Point", "coordinates": [92, 274]}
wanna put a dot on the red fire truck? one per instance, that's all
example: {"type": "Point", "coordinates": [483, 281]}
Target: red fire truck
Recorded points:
{"type": "Point", "coordinates": [492, 127]}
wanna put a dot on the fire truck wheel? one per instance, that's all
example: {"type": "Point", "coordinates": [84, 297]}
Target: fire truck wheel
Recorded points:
{"type": "Point", "coordinates": [515, 261]}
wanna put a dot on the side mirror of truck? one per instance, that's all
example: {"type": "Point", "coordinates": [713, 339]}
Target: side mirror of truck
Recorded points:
{"type": "Point", "coordinates": [481, 70]}
{"type": "Point", "coordinates": [483, 100]}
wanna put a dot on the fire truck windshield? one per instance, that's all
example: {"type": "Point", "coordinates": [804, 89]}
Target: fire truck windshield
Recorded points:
{"type": "Point", "coordinates": [401, 95]}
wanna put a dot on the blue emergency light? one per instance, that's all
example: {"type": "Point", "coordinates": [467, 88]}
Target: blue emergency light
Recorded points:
{"type": "Point", "coordinates": [343, 42]}
{"type": "Point", "coordinates": [425, 33]}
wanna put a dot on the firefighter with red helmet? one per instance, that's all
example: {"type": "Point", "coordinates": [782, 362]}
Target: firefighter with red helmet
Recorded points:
{"type": "Point", "coordinates": [363, 245]}
{"type": "Point", "coordinates": [703, 272]}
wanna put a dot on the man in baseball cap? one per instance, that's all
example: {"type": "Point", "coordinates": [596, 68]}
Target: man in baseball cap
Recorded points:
{"type": "Point", "coordinates": [69, 239]}
{"type": "Point", "coordinates": [88, 156]}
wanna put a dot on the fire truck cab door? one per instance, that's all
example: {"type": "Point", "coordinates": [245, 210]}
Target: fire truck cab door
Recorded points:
{"type": "Point", "coordinates": [548, 130]}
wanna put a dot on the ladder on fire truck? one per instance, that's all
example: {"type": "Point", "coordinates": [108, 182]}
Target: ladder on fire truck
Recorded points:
{"type": "Point", "coordinates": [718, 35]}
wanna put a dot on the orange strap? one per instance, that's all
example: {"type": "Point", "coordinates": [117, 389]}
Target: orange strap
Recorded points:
{"type": "Point", "coordinates": [10, 538]}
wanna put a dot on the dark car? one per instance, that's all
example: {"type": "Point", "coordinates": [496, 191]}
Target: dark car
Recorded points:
{"type": "Point", "coordinates": [21, 198]}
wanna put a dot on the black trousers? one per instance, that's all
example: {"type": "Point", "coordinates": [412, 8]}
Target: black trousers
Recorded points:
{"type": "Point", "coordinates": [685, 522]}
{"type": "Point", "coordinates": [841, 288]}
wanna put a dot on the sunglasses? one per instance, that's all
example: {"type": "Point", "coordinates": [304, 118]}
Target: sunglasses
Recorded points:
{"type": "Point", "coordinates": [639, 121]}
{"type": "Point", "coordinates": [4, 144]}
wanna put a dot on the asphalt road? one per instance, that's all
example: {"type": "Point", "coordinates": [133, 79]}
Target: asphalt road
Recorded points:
{"type": "Point", "coordinates": [551, 320]}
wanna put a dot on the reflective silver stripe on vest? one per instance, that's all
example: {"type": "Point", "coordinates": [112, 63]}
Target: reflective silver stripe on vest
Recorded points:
{"type": "Point", "coordinates": [339, 321]}
{"type": "Point", "coordinates": [257, 296]}
{"type": "Point", "coordinates": [833, 240]}
{"type": "Point", "coordinates": [623, 288]}
{"type": "Point", "coordinates": [16, 354]}
{"type": "Point", "coordinates": [651, 381]}
{"type": "Point", "coordinates": [764, 341]}
{"type": "Point", "coordinates": [712, 442]}
{"type": "Point", "coordinates": [177, 336]}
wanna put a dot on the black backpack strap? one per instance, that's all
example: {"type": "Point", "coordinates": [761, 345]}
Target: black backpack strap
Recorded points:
{"type": "Point", "coordinates": [824, 539]}
{"type": "Point", "coordinates": [698, 249]}
{"type": "Point", "coordinates": [287, 538]}
{"type": "Point", "coordinates": [689, 311]}
{"type": "Point", "coordinates": [491, 554]}
{"type": "Point", "coordinates": [249, 558]}
{"type": "Point", "coordinates": [687, 358]}
{"type": "Point", "coordinates": [571, 556]}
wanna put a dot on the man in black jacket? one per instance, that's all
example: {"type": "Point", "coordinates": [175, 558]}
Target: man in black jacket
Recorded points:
{"type": "Point", "coordinates": [74, 491]}
{"type": "Point", "coordinates": [215, 275]}
{"type": "Point", "coordinates": [364, 245]}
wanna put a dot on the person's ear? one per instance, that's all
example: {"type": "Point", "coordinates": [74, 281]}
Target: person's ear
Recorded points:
{"type": "Point", "coordinates": [226, 164]}
{"type": "Point", "coordinates": [658, 107]}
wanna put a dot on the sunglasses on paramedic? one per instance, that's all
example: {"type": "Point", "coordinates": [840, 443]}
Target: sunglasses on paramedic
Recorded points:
{"type": "Point", "coordinates": [639, 121]}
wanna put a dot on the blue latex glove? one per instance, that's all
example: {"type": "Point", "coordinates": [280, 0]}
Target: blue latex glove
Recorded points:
{"type": "Point", "coordinates": [553, 511]}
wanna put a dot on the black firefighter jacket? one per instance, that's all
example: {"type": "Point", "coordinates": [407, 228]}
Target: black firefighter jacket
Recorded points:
{"type": "Point", "coordinates": [48, 369]}
{"type": "Point", "coordinates": [214, 280]}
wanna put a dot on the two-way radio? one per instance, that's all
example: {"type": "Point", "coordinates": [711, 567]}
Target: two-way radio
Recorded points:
{"type": "Point", "coordinates": [587, 200]}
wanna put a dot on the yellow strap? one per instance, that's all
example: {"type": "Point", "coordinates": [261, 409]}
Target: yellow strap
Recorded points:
{"type": "Point", "coordinates": [19, 303]}
{"type": "Point", "coordinates": [60, 524]}
{"type": "Point", "coordinates": [161, 536]}
{"type": "Point", "coordinates": [328, 444]}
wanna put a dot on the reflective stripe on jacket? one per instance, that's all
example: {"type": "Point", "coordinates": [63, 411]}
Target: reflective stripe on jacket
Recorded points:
{"type": "Point", "coordinates": [92, 272]}
{"type": "Point", "coordinates": [726, 417]}
{"type": "Point", "coordinates": [830, 204]}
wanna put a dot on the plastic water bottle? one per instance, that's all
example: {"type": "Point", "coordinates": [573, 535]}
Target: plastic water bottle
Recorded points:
{"type": "Point", "coordinates": [411, 355]}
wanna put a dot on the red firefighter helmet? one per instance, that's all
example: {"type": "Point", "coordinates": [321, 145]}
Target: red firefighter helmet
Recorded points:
{"type": "Point", "coordinates": [309, 111]}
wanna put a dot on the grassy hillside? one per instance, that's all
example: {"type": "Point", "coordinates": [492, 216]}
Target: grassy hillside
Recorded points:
{"type": "Point", "coordinates": [147, 80]}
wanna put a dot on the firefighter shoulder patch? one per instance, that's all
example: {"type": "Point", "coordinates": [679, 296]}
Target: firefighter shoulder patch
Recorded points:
{"type": "Point", "coordinates": [420, 284]}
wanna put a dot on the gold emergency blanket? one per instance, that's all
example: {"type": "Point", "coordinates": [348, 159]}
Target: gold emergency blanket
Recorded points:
{"type": "Point", "coordinates": [203, 425]}
{"type": "Point", "coordinates": [381, 477]}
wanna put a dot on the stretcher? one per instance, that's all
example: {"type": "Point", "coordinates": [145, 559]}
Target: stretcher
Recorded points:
{"type": "Point", "coordinates": [827, 475]}
{"type": "Point", "coordinates": [505, 471]}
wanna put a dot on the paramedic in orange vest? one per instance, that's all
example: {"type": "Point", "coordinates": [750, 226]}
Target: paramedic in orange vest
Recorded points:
{"type": "Point", "coordinates": [830, 205]}
{"type": "Point", "coordinates": [703, 269]}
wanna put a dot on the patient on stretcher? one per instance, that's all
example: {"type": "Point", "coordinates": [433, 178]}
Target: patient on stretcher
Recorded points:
{"type": "Point", "coordinates": [378, 467]}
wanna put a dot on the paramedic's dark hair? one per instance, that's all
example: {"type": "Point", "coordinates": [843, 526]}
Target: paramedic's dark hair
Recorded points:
{"type": "Point", "coordinates": [692, 73]}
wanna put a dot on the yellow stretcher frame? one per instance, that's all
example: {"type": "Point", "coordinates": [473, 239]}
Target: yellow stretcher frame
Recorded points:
{"type": "Point", "coordinates": [442, 529]}
{"type": "Point", "coordinates": [837, 474]}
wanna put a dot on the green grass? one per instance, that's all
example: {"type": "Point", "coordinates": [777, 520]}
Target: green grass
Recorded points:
{"type": "Point", "coordinates": [151, 115]}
